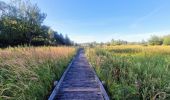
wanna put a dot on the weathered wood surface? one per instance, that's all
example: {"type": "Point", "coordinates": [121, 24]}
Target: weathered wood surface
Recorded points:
{"type": "Point", "coordinates": [79, 82]}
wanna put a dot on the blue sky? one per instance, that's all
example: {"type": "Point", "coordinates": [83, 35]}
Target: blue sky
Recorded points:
{"type": "Point", "coordinates": [102, 20]}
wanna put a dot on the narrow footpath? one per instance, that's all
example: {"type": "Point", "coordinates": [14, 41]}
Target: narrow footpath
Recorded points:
{"type": "Point", "coordinates": [79, 82]}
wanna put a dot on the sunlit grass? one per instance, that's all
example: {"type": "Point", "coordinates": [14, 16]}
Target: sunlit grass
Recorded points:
{"type": "Point", "coordinates": [133, 72]}
{"type": "Point", "coordinates": [27, 73]}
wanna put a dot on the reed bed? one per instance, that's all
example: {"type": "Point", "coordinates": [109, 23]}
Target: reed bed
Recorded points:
{"type": "Point", "coordinates": [27, 73]}
{"type": "Point", "coordinates": [133, 72]}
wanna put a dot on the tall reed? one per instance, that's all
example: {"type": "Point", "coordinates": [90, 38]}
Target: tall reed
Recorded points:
{"type": "Point", "coordinates": [133, 72]}
{"type": "Point", "coordinates": [27, 73]}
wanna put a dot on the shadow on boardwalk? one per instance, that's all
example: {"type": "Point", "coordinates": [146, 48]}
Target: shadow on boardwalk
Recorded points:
{"type": "Point", "coordinates": [79, 82]}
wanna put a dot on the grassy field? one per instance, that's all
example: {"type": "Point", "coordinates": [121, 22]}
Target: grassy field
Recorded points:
{"type": "Point", "coordinates": [133, 72]}
{"type": "Point", "coordinates": [27, 73]}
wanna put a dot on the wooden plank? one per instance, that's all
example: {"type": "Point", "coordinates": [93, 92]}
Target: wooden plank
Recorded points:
{"type": "Point", "coordinates": [80, 89]}
{"type": "Point", "coordinates": [104, 93]}
{"type": "Point", "coordinates": [56, 89]}
{"type": "Point", "coordinates": [79, 82]}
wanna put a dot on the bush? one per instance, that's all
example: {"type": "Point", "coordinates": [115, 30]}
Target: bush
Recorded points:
{"type": "Point", "coordinates": [166, 40]}
{"type": "Point", "coordinates": [155, 40]}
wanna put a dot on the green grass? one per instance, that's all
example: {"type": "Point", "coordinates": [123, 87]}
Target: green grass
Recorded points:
{"type": "Point", "coordinates": [142, 75]}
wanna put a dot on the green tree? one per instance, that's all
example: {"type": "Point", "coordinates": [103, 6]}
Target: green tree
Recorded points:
{"type": "Point", "coordinates": [166, 40]}
{"type": "Point", "coordinates": [33, 19]}
{"type": "Point", "coordinates": [68, 41]}
{"type": "Point", "coordinates": [20, 22]}
{"type": "Point", "coordinates": [118, 42]}
{"type": "Point", "coordinates": [155, 40]}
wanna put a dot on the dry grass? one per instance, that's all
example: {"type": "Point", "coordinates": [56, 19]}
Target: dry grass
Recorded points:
{"type": "Point", "coordinates": [26, 73]}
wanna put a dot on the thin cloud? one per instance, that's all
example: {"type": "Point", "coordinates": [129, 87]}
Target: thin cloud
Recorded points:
{"type": "Point", "coordinates": [145, 17]}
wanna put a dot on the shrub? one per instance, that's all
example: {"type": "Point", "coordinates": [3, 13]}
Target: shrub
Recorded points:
{"type": "Point", "coordinates": [155, 40]}
{"type": "Point", "coordinates": [166, 40]}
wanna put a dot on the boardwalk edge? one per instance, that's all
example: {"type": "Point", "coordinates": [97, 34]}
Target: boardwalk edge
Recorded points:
{"type": "Point", "coordinates": [104, 93]}
{"type": "Point", "coordinates": [56, 89]}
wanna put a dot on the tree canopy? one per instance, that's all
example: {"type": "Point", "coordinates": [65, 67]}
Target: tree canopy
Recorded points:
{"type": "Point", "coordinates": [166, 40]}
{"type": "Point", "coordinates": [155, 40]}
{"type": "Point", "coordinates": [21, 22]}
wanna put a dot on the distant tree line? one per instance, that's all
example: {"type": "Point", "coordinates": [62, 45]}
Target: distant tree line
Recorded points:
{"type": "Point", "coordinates": [153, 40]}
{"type": "Point", "coordinates": [156, 40]}
{"type": "Point", "coordinates": [118, 42]}
{"type": "Point", "coordinates": [21, 22]}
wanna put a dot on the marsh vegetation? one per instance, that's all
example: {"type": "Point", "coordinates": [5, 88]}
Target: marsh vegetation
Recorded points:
{"type": "Point", "coordinates": [133, 72]}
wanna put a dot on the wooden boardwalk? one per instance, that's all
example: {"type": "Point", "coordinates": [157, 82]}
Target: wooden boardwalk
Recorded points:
{"type": "Point", "coordinates": [79, 82]}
